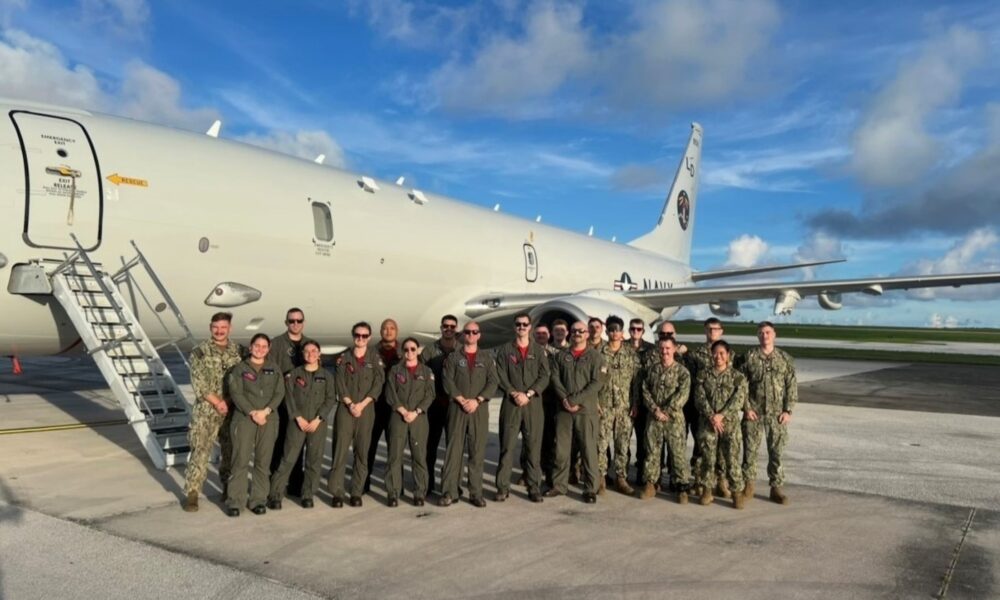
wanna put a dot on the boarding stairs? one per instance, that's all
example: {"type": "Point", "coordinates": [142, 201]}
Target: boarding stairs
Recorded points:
{"type": "Point", "coordinates": [122, 350]}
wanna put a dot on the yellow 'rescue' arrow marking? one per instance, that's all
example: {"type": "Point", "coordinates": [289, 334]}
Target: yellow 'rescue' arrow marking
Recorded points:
{"type": "Point", "coordinates": [117, 179]}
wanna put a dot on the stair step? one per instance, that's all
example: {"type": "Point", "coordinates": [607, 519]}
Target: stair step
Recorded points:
{"type": "Point", "coordinates": [111, 331]}
{"type": "Point", "coordinates": [93, 300]}
{"type": "Point", "coordinates": [104, 316]}
{"type": "Point", "coordinates": [147, 384]}
{"type": "Point", "coordinates": [84, 284]}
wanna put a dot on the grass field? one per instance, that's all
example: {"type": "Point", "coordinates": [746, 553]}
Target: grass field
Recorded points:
{"type": "Point", "coordinates": [898, 335]}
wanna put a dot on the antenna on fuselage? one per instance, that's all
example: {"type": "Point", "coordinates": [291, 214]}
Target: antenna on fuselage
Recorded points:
{"type": "Point", "coordinates": [538, 219]}
{"type": "Point", "coordinates": [400, 180]}
{"type": "Point", "coordinates": [214, 130]}
{"type": "Point", "coordinates": [591, 232]}
{"type": "Point", "coordinates": [496, 207]}
{"type": "Point", "coordinates": [319, 159]}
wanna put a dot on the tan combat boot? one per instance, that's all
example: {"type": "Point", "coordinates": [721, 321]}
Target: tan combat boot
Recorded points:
{"type": "Point", "coordinates": [739, 501]}
{"type": "Point", "coordinates": [622, 486]}
{"type": "Point", "coordinates": [706, 496]}
{"type": "Point", "coordinates": [778, 496]}
{"type": "Point", "coordinates": [647, 492]}
{"type": "Point", "coordinates": [601, 486]}
{"type": "Point", "coordinates": [723, 488]}
{"type": "Point", "coordinates": [748, 490]}
{"type": "Point", "coordinates": [682, 497]}
{"type": "Point", "coordinates": [191, 502]}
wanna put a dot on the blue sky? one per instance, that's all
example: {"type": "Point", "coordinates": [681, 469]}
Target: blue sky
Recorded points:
{"type": "Point", "coordinates": [861, 130]}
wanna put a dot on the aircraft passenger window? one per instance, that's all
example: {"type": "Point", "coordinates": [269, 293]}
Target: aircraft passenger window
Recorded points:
{"type": "Point", "coordinates": [322, 222]}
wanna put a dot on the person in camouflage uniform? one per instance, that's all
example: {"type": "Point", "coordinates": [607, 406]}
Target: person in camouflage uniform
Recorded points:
{"type": "Point", "coordinates": [773, 394]}
{"type": "Point", "coordinates": [620, 366]}
{"type": "Point", "coordinates": [665, 391]}
{"type": "Point", "coordinates": [721, 394]}
{"type": "Point", "coordinates": [636, 328]}
{"type": "Point", "coordinates": [697, 361]}
{"type": "Point", "coordinates": [210, 360]}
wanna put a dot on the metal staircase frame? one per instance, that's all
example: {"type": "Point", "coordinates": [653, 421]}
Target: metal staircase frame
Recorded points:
{"type": "Point", "coordinates": [137, 376]}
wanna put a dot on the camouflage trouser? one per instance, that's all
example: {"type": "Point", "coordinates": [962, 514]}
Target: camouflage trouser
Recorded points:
{"type": "Point", "coordinates": [207, 426]}
{"type": "Point", "coordinates": [777, 437]}
{"type": "Point", "coordinates": [674, 433]}
{"type": "Point", "coordinates": [724, 451]}
{"type": "Point", "coordinates": [616, 434]}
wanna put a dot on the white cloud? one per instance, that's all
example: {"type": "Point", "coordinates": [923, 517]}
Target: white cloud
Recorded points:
{"type": "Point", "coordinates": [126, 17]}
{"type": "Point", "coordinates": [149, 94]}
{"type": "Point", "coordinates": [892, 145]}
{"type": "Point", "coordinates": [746, 251]}
{"type": "Point", "coordinates": [416, 24]}
{"type": "Point", "coordinates": [34, 69]}
{"type": "Point", "coordinates": [666, 54]}
{"type": "Point", "coordinates": [976, 252]}
{"type": "Point", "coordinates": [767, 171]}
{"type": "Point", "coordinates": [304, 144]}
{"type": "Point", "coordinates": [512, 74]}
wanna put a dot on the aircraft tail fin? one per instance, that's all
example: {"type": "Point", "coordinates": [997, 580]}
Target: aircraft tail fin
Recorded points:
{"type": "Point", "coordinates": [673, 232]}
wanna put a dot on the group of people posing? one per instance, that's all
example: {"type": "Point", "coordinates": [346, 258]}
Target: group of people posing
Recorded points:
{"type": "Point", "coordinates": [572, 396]}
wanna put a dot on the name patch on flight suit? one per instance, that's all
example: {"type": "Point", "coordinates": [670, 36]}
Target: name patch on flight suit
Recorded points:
{"type": "Point", "coordinates": [249, 376]}
{"type": "Point", "coordinates": [513, 359]}
{"type": "Point", "coordinates": [300, 381]}
{"type": "Point", "coordinates": [350, 368]}
{"type": "Point", "coordinates": [401, 378]}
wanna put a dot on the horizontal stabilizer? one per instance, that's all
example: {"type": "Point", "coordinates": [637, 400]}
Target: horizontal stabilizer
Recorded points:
{"type": "Point", "coordinates": [704, 275]}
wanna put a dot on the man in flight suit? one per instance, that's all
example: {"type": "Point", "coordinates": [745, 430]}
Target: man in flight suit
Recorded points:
{"type": "Point", "coordinates": [434, 356]}
{"type": "Point", "coordinates": [575, 381]}
{"type": "Point", "coordinates": [523, 371]}
{"type": "Point", "coordinates": [286, 353]}
{"type": "Point", "coordinates": [470, 379]}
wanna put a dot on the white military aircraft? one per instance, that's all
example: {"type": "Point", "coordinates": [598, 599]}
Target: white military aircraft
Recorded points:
{"type": "Point", "coordinates": [117, 234]}
{"type": "Point", "coordinates": [225, 225]}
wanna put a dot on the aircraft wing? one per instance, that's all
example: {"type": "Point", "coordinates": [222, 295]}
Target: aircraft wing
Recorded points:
{"type": "Point", "coordinates": [786, 294]}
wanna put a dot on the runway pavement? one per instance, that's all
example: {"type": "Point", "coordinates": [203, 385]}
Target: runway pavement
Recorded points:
{"type": "Point", "coordinates": [893, 473]}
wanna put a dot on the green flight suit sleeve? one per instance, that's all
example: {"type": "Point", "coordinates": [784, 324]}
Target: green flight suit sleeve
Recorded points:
{"type": "Point", "coordinates": [340, 378]}
{"type": "Point", "coordinates": [557, 382]}
{"type": "Point", "coordinates": [450, 372]}
{"type": "Point", "coordinates": [503, 379]}
{"type": "Point", "coordinates": [290, 403]}
{"type": "Point", "coordinates": [429, 390]}
{"type": "Point", "coordinates": [392, 389]}
{"type": "Point", "coordinates": [378, 381]}
{"type": "Point", "coordinates": [490, 389]}
{"type": "Point", "coordinates": [595, 382]}
{"type": "Point", "coordinates": [236, 392]}
{"type": "Point", "coordinates": [329, 396]}
{"type": "Point", "coordinates": [542, 380]}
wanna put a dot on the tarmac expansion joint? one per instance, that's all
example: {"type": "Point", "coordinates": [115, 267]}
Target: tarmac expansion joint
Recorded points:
{"type": "Point", "coordinates": [956, 553]}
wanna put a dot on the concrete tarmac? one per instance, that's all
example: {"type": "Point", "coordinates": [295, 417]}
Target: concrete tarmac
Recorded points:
{"type": "Point", "coordinates": [893, 476]}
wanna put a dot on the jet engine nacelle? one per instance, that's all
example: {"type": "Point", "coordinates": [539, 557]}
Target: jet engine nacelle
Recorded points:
{"type": "Point", "coordinates": [726, 308]}
{"type": "Point", "coordinates": [581, 307]}
{"type": "Point", "coordinates": [830, 300]}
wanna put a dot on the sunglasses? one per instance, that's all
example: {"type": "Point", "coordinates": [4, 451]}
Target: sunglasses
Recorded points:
{"type": "Point", "coordinates": [362, 336]}
{"type": "Point", "coordinates": [579, 331]}
{"type": "Point", "coordinates": [410, 349]}
{"type": "Point", "coordinates": [666, 334]}
{"type": "Point", "coordinates": [449, 326]}
{"type": "Point", "coordinates": [522, 325]}
{"type": "Point", "coordinates": [294, 321]}
{"type": "Point", "coordinates": [636, 328]}
{"type": "Point", "coordinates": [470, 331]}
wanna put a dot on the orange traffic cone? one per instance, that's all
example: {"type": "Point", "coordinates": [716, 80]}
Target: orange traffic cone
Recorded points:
{"type": "Point", "coordinates": [17, 365]}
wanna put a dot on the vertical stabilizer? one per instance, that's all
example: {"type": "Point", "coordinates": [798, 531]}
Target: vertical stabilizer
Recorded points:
{"type": "Point", "coordinates": [672, 235]}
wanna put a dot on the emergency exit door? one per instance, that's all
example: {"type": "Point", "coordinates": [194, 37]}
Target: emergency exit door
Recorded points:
{"type": "Point", "coordinates": [63, 188]}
